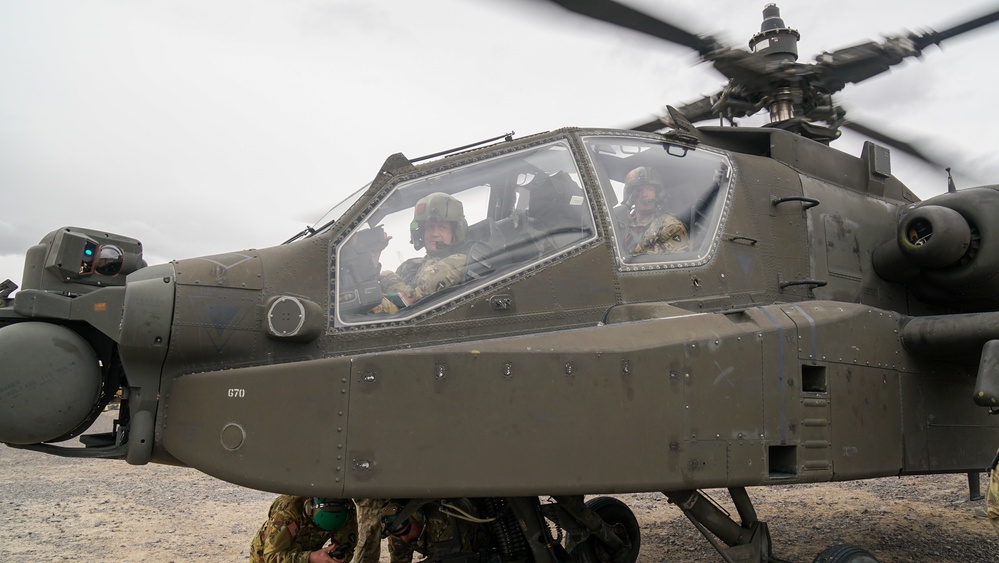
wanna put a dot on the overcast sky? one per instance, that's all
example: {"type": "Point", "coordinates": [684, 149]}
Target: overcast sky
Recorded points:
{"type": "Point", "coordinates": [206, 126]}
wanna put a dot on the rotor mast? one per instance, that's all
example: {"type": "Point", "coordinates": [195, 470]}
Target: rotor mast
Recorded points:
{"type": "Point", "coordinates": [778, 44]}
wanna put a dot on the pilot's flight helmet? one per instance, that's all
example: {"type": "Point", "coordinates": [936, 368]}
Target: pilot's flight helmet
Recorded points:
{"type": "Point", "coordinates": [438, 206]}
{"type": "Point", "coordinates": [329, 513]}
{"type": "Point", "coordinates": [639, 178]}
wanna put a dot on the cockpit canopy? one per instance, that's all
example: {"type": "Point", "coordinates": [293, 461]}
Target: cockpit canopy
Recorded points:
{"type": "Point", "coordinates": [688, 189]}
{"type": "Point", "coordinates": [661, 204]}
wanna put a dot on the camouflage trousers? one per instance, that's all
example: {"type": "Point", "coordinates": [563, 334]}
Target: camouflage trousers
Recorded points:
{"type": "Point", "coordinates": [400, 551]}
{"type": "Point", "coordinates": [992, 497]}
{"type": "Point", "coordinates": [369, 530]}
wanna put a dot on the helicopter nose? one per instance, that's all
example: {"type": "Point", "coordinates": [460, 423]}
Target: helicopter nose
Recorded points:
{"type": "Point", "coordinates": [50, 382]}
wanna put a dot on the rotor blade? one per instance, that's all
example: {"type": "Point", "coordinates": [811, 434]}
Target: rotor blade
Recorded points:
{"type": "Point", "coordinates": [695, 111]}
{"type": "Point", "coordinates": [935, 37]}
{"type": "Point", "coordinates": [630, 18]}
{"type": "Point", "coordinates": [650, 126]}
{"type": "Point", "coordinates": [857, 63]}
{"type": "Point", "coordinates": [955, 161]}
{"type": "Point", "coordinates": [891, 141]}
{"type": "Point", "coordinates": [701, 109]}
{"type": "Point", "coordinates": [740, 66]}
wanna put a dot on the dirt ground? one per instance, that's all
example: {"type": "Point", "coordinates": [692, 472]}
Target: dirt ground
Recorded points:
{"type": "Point", "coordinates": [97, 510]}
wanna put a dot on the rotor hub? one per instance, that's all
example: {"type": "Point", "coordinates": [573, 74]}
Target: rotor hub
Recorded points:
{"type": "Point", "coordinates": [775, 40]}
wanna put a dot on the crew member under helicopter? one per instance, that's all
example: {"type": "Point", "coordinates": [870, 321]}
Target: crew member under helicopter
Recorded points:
{"type": "Point", "coordinates": [298, 528]}
{"type": "Point", "coordinates": [439, 225]}
{"type": "Point", "coordinates": [440, 530]}
{"type": "Point", "coordinates": [649, 229]}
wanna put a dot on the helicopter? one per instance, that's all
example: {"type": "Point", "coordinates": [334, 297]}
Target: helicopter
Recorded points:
{"type": "Point", "coordinates": [731, 361]}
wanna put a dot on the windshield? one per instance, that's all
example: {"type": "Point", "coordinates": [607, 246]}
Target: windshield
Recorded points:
{"type": "Point", "coordinates": [666, 201]}
{"type": "Point", "coordinates": [434, 238]}
{"type": "Point", "coordinates": [337, 211]}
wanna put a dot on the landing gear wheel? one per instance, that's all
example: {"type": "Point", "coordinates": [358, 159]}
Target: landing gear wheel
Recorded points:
{"type": "Point", "coordinates": [844, 554]}
{"type": "Point", "coordinates": [618, 515]}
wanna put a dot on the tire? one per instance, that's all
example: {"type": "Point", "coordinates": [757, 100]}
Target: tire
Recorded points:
{"type": "Point", "coordinates": [615, 513]}
{"type": "Point", "coordinates": [844, 553]}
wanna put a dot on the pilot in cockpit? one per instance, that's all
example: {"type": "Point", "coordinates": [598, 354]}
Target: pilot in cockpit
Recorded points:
{"type": "Point", "coordinates": [438, 225]}
{"type": "Point", "coordinates": [650, 229]}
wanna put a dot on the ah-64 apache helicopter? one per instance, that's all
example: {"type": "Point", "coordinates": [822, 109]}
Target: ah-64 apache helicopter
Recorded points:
{"type": "Point", "coordinates": [791, 314]}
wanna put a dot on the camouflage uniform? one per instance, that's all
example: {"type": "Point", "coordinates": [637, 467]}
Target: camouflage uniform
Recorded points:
{"type": "Point", "coordinates": [664, 235]}
{"type": "Point", "coordinates": [658, 232]}
{"type": "Point", "coordinates": [419, 277]}
{"type": "Point", "coordinates": [289, 535]}
{"type": "Point", "coordinates": [444, 264]}
{"type": "Point", "coordinates": [369, 530]}
{"type": "Point", "coordinates": [636, 229]}
{"type": "Point", "coordinates": [442, 535]}
{"type": "Point", "coordinates": [992, 496]}
{"type": "Point", "coordinates": [400, 551]}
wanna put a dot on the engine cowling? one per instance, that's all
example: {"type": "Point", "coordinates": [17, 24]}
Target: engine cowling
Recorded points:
{"type": "Point", "coordinates": [946, 250]}
{"type": "Point", "coordinates": [50, 383]}
{"type": "Point", "coordinates": [934, 236]}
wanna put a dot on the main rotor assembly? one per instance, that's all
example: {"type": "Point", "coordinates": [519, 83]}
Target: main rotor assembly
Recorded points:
{"type": "Point", "coordinates": [768, 76]}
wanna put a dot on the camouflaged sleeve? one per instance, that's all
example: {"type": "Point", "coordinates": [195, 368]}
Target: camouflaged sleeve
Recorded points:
{"type": "Point", "coordinates": [346, 537]}
{"type": "Point", "coordinates": [369, 529]}
{"type": "Point", "coordinates": [439, 273]}
{"type": "Point", "coordinates": [287, 536]}
{"type": "Point", "coordinates": [386, 307]}
{"type": "Point", "coordinates": [451, 534]}
{"type": "Point", "coordinates": [442, 535]}
{"type": "Point", "coordinates": [665, 235]}
{"type": "Point", "coordinates": [419, 277]}
{"type": "Point", "coordinates": [400, 551]}
{"type": "Point", "coordinates": [393, 283]}
{"type": "Point", "coordinates": [408, 269]}
{"type": "Point", "coordinates": [438, 529]}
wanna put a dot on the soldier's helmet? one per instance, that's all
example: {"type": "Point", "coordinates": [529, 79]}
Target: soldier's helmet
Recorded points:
{"type": "Point", "coordinates": [329, 513]}
{"type": "Point", "coordinates": [441, 207]}
{"type": "Point", "coordinates": [408, 529]}
{"type": "Point", "coordinates": [639, 178]}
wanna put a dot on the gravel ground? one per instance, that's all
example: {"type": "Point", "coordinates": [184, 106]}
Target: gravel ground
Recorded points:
{"type": "Point", "coordinates": [100, 510]}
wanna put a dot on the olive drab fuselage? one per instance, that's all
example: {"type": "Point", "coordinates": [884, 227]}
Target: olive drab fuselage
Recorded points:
{"type": "Point", "coordinates": [583, 311]}
{"type": "Point", "coordinates": [768, 350]}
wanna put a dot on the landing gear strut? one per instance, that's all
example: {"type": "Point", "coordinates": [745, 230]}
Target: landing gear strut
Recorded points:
{"type": "Point", "coordinates": [745, 541]}
{"type": "Point", "coordinates": [750, 539]}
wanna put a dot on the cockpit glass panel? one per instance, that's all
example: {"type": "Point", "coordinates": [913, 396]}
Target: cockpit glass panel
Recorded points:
{"type": "Point", "coordinates": [666, 201]}
{"type": "Point", "coordinates": [336, 212]}
{"type": "Point", "coordinates": [435, 238]}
